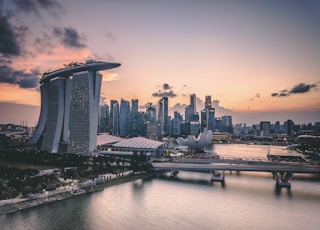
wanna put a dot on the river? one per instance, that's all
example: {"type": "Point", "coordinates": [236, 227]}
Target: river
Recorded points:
{"type": "Point", "coordinates": [189, 201]}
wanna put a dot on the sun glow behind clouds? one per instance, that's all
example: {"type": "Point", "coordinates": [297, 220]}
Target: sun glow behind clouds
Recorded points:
{"type": "Point", "coordinates": [109, 76]}
{"type": "Point", "coordinates": [14, 94]}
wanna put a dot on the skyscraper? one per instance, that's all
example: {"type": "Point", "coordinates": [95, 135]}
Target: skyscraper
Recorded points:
{"type": "Point", "coordinates": [210, 119]}
{"type": "Point", "coordinates": [203, 122]}
{"type": "Point", "coordinates": [70, 97]}
{"type": "Point", "coordinates": [208, 102]}
{"type": "Point", "coordinates": [227, 123]}
{"type": "Point", "coordinates": [166, 114]}
{"type": "Point", "coordinates": [134, 118]}
{"type": "Point", "coordinates": [151, 113]}
{"type": "Point", "coordinates": [193, 104]}
{"type": "Point", "coordinates": [115, 119]}
{"type": "Point", "coordinates": [124, 117]}
{"type": "Point", "coordinates": [177, 119]}
{"type": "Point", "coordinates": [163, 116]}
{"type": "Point", "coordinates": [103, 119]}
{"type": "Point", "coordinates": [112, 102]}
{"type": "Point", "coordinates": [265, 128]}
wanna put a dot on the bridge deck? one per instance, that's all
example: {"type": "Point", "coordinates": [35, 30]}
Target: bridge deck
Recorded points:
{"type": "Point", "coordinates": [251, 167]}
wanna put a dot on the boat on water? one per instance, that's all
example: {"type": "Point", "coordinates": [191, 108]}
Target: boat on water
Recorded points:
{"type": "Point", "coordinates": [217, 176]}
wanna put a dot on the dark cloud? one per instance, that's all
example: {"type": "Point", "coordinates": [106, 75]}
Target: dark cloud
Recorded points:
{"type": "Point", "coordinates": [13, 36]}
{"type": "Point", "coordinates": [43, 44]}
{"type": "Point", "coordinates": [19, 77]}
{"type": "Point", "coordinates": [36, 6]}
{"type": "Point", "coordinates": [165, 91]}
{"type": "Point", "coordinates": [255, 97]}
{"type": "Point", "coordinates": [166, 86]}
{"type": "Point", "coordinates": [110, 36]}
{"type": "Point", "coordinates": [300, 88]}
{"type": "Point", "coordinates": [9, 45]}
{"type": "Point", "coordinates": [69, 36]}
{"type": "Point", "coordinates": [170, 94]}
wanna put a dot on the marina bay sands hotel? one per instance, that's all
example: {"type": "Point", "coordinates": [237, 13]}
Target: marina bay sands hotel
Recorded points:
{"type": "Point", "coordinates": [70, 97]}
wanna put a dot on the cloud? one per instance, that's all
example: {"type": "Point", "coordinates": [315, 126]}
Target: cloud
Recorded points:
{"type": "Point", "coordinates": [302, 88]}
{"type": "Point", "coordinates": [110, 36]}
{"type": "Point", "coordinates": [69, 37]}
{"type": "Point", "coordinates": [9, 45]}
{"type": "Point", "coordinates": [255, 97]}
{"type": "Point", "coordinates": [43, 44]}
{"type": "Point", "coordinates": [19, 77]}
{"type": "Point", "coordinates": [166, 86]}
{"type": "Point", "coordinates": [36, 6]}
{"type": "Point", "coordinates": [160, 93]}
{"type": "Point", "coordinates": [165, 91]}
{"type": "Point", "coordinates": [297, 89]}
{"type": "Point", "coordinates": [13, 34]}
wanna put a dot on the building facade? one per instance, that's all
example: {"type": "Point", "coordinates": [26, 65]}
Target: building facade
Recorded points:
{"type": "Point", "coordinates": [68, 119]}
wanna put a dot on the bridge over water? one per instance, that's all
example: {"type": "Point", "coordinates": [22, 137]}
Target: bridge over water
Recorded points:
{"type": "Point", "coordinates": [208, 165]}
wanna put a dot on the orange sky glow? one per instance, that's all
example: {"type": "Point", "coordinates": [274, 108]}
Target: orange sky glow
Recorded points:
{"type": "Point", "coordinates": [252, 58]}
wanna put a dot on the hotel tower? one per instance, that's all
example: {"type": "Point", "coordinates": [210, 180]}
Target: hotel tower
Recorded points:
{"type": "Point", "coordinates": [70, 97]}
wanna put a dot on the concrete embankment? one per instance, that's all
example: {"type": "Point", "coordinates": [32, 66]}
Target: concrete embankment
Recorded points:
{"type": "Point", "coordinates": [14, 206]}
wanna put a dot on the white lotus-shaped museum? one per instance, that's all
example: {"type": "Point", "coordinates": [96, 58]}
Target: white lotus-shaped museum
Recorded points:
{"type": "Point", "coordinates": [201, 141]}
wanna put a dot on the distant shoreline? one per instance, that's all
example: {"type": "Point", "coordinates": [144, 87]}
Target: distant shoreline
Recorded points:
{"type": "Point", "coordinates": [28, 203]}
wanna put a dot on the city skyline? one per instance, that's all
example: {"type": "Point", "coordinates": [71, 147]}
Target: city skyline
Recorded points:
{"type": "Point", "coordinates": [258, 60]}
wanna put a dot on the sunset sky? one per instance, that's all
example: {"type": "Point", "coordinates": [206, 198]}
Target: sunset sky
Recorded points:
{"type": "Point", "coordinates": [259, 59]}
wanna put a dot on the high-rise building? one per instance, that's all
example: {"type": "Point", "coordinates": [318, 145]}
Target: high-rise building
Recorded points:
{"type": "Point", "coordinates": [151, 113]}
{"type": "Point", "coordinates": [112, 102]}
{"type": "Point", "coordinates": [210, 119]}
{"type": "Point", "coordinates": [124, 118]}
{"type": "Point", "coordinates": [193, 103]}
{"type": "Point", "coordinates": [104, 119]}
{"type": "Point", "coordinates": [227, 124]}
{"type": "Point", "coordinates": [187, 112]}
{"type": "Point", "coordinates": [289, 125]}
{"type": "Point", "coordinates": [177, 119]}
{"type": "Point", "coordinates": [203, 122]}
{"type": "Point", "coordinates": [134, 118]}
{"type": "Point", "coordinates": [166, 114]}
{"type": "Point", "coordinates": [160, 116]}
{"type": "Point", "coordinates": [163, 110]}
{"type": "Point", "coordinates": [70, 97]}
{"type": "Point", "coordinates": [265, 128]}
{"type": "Point", "coordinates": [194, 128]}
{"type": "Point", "coordinates": [190, 111]}
{"type": "Point", "coordinates": [208, 102]}
{"type": "Point", "coordinates": [142, 124]}
{"type": "Point", "coordinates": [115, 120]}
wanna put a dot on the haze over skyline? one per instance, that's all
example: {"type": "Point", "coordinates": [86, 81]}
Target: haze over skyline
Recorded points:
{"type": "Point", "coordinates": [258, 59]}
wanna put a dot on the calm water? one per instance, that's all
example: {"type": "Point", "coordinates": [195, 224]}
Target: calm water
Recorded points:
{"type": "Point", "coordinates": [247, 201]}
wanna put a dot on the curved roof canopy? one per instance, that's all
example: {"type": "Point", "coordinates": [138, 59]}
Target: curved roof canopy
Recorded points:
{"type": "Point", "coordinates": [75, 67]}
{"type": "Point", "coordinates": [105, 139]}
{"type": "Point", "coordinates": [138, 143]}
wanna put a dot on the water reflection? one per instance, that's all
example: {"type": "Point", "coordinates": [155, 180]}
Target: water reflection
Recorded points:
{"type": "Point", "coordinates": [185, 180]}
{"type": "Point", "coordinates": [188, 201]}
